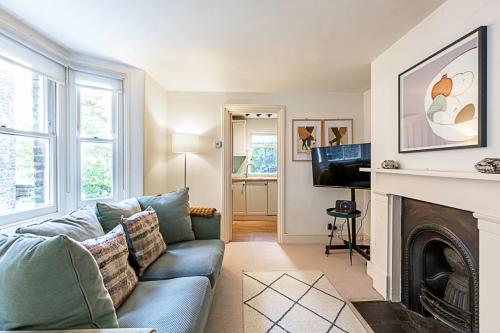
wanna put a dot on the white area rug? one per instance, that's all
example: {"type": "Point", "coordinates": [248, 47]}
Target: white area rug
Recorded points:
{"type": "Point", "coordinates": [295, 302]}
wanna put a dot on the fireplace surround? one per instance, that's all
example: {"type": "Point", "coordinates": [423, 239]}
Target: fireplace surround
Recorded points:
{"type": "Point", "coordinates": [469, 191]}
{"type": "Point", "coordinates": [439, 263]}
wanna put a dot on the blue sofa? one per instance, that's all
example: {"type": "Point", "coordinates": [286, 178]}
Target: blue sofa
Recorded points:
{"type": "Point", "coordinates": [175, 292]}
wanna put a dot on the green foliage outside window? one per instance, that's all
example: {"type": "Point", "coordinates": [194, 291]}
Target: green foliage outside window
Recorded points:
{"type": "Point", "coordinates": [97, 171]}
{"type": "Point", "coordinates": [263, 160]}
{"type": "Point", "coordinates": [97, 157]}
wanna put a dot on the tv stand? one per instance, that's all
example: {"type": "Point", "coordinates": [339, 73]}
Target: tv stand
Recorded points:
{"type": "Point", "coordinates": [363, 250]}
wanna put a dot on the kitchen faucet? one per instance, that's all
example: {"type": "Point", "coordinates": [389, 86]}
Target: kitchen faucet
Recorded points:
{"type": "Point", "coordinates": [246, 169]}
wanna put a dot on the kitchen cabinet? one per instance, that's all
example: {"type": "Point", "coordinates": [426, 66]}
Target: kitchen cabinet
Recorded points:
{"type": "Point", "coordinates": [256, 198]}
{"type": "Point", "coordinates": [239, 138]}
{"type": "Point", "coordinates": [272, 198]}
{"type": "Point", "coordinates": [239, 198]}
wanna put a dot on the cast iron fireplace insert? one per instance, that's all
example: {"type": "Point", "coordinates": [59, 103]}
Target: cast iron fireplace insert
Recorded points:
{"type": "Point", "coordinates": [440, 270]}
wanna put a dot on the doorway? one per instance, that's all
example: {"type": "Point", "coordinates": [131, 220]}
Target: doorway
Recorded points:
{"type": "Point", "coordinates": [253, 172]}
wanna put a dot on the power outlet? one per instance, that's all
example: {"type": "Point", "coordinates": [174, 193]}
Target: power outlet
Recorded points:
{"type": "Point", "coordinates": [330, 226]}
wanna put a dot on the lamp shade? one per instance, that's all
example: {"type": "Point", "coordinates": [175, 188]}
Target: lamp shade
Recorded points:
{"type": "Point", "coordinates": [185, 143]}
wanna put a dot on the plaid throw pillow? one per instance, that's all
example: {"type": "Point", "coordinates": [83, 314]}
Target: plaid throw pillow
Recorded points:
{"type": "Point", "coordinates": [111, 253]}
{"type": "Point", "coordinates": [145, 241]}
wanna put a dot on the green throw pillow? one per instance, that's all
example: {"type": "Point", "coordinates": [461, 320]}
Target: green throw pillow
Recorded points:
{"type": "Point", "coordinates": [51, 284]}
{"type": "Point", "coordinates": [172, 210]}
{"type": "Point", "coordinates": [81, 224]}
{"type": "Point", "coordinates": [110, 214]}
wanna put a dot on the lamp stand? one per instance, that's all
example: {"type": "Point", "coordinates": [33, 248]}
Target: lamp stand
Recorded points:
{"type": "Point", "coordinates": [185, 170]}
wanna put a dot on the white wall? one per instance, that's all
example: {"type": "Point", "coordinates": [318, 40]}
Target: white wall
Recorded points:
{"type": "Point", "coordinates": [367, 115]}
{"type": "Point", "coordinates": [449, 22]}
{"type": "Point", "coordinates": [201, 113]}
{"type": "Point", "coordinates": [366, 138]}
{"type": "Point", "coordinates": [155, 138]}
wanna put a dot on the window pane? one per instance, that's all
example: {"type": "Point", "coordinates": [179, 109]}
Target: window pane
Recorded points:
{"type": "Point", "coordinates": [263, 160]}
{"type": "Point", "coordinates": [96, 170]}
{"type": "Point", "coordinates": [96, 113]}
{"type": "Point", "coordinates": [24, 174]}
{"type": "Point", "coordinates": [264, 139]}
{"type": "Point", "coordinates": [22, 103]}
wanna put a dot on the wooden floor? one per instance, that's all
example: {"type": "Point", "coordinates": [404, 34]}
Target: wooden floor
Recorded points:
{"type": "Point", "coordinates": [260, 231]}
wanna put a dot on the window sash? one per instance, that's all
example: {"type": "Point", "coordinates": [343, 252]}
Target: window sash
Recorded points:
{"type": "Point", "coordinates": [52, 192]}
{"type": "Point", "coordinates": [114, 140]}
{"type": "Point", "coordinates": [51, 101]}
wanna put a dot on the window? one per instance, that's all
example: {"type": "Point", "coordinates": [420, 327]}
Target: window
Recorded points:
{"type": "Point", "coordinates": [27, 141]}
{"type": "Point", "coordinates": [99, 129]}
{"type": "Point", "coordinates": [60, 151]}
{"type": "Point", "coordinates": [263, 154]}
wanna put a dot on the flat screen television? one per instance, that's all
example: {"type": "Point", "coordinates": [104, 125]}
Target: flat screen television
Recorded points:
{"type": "Point", "coordinates": [338, 166]}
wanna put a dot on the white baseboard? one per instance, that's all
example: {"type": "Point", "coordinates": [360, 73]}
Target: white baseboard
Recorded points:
{"type": "Point", "coordinates": [379, 277]}
{"type": "Point", "coordinates": [318, 239]}
{"type": "Point", "coordinates": [305, 239]}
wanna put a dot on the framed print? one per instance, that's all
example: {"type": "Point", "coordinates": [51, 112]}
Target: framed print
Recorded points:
{"type": "Point", "coordinates": [306, 134]}
{"type": "Point", "coordinates": [442, 100]}
{"type": "Point", "coordinates": [337, 132]}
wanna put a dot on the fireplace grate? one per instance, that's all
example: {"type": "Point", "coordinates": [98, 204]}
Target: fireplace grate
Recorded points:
{"type": "Point", "coordinates": [453, 316]}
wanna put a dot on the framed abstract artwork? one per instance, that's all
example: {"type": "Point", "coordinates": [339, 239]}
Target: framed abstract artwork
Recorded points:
{"type": "Point", "coordinates": [337, 132]}
{"type": "Point", "coordinates": [442, 99]}
{"type": "Point", "coordinates": [306, 134]}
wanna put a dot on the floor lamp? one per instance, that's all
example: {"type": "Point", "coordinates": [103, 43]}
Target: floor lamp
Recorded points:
{"type": "Point", "coordinates": [185, 143]}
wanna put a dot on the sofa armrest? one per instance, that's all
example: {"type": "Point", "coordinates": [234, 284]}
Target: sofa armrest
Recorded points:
{"type": "Point", "coordinates": [101, 330]}
{"type": "Point", "coordinates": [206, 227]}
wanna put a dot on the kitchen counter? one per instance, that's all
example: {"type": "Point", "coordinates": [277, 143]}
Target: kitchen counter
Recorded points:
{"type": "Point", "coordinates": [249, 179]}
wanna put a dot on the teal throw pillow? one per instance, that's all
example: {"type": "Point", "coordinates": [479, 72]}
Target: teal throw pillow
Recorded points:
{"type": "Point", "coordinates": [51, 284]}
{"type": "Point", "coordinates": [172, 210]}
{"type": "Point", "coordinates": [110, 214]}
{"type": "Point", "coordinates": [81, 224]}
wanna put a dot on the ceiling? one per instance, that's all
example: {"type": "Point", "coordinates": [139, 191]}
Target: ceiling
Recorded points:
{"type": "Point", "coordinates": [231, 45]}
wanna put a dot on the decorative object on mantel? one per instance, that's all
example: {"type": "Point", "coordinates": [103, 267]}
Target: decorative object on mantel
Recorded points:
{"type": "Point", "coordinates": [390, 164]}
{"type": "Point", "coordinates": [488, 165]}
{"type": "Point", "coordinates": [442, 99]}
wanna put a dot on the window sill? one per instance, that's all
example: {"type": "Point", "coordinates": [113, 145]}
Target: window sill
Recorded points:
{"type": "Point", "coordinates": [10, 227]}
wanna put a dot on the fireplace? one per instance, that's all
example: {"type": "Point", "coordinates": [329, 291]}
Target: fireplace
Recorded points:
{"type": "Point", "coordinates": [440, 270]}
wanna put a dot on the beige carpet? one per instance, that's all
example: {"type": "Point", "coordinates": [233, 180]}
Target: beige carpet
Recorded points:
{"type": "Point", "coordinates": [295, 302]}
{"type": "Point", "coordinates": [226, 314]}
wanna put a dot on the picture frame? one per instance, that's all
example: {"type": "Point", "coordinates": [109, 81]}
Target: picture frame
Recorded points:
{"type": "Point", "coordinates": [337, 132]}
{"type": "Point", "coordinates": [442, 99]}
{"type": "Point", "coordinates": [306, 134]}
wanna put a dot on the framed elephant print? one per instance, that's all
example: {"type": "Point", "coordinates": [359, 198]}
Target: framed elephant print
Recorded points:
{"type": "Point", "coordinates": [306, 134]}
{"type": "Point", "coordinates": [337, 132]}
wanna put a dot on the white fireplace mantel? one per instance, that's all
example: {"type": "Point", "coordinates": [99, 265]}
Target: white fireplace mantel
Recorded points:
{"type": "Point", "coordinates": [472, 191]}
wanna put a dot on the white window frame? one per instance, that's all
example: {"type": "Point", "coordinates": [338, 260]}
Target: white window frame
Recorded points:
{"type": "Point", "coordinates": [263, 145]}
{"type": "Point", "coordinates": [53, 61]}
{"type": "Point", "coordinates": [98, 82]}
{"type": "Point", "coordinates": [51, 102]}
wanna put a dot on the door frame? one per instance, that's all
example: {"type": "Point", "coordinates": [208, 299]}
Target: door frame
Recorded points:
{"type": "Point", "coordinates": [228, 110]}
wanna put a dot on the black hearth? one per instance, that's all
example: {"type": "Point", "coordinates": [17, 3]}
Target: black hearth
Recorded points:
{"type": "Point", "coordinates": [440, 271]}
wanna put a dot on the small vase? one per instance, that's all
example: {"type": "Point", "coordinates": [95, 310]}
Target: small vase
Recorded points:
{"type": "Point", "coordinates": [488, 165]}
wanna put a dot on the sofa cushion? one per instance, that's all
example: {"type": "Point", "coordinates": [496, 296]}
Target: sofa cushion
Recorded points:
{"type": "Point", "coordinates": [144, 239]}
{"type": "Point", "coordinates": [111, 253]}
{"type": "Point", "coordinates": [173, 215]}
{"type": "Point", "coordinates": [170, 306]}
{"type": "Point", "coordinates": [110, 214]}
{"type": "Point", "coordinates": [80, 225]}
{"type": "Point", "coordinates": [193, 258]}
{"type": "Point", "coordinates": [51, 283]}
